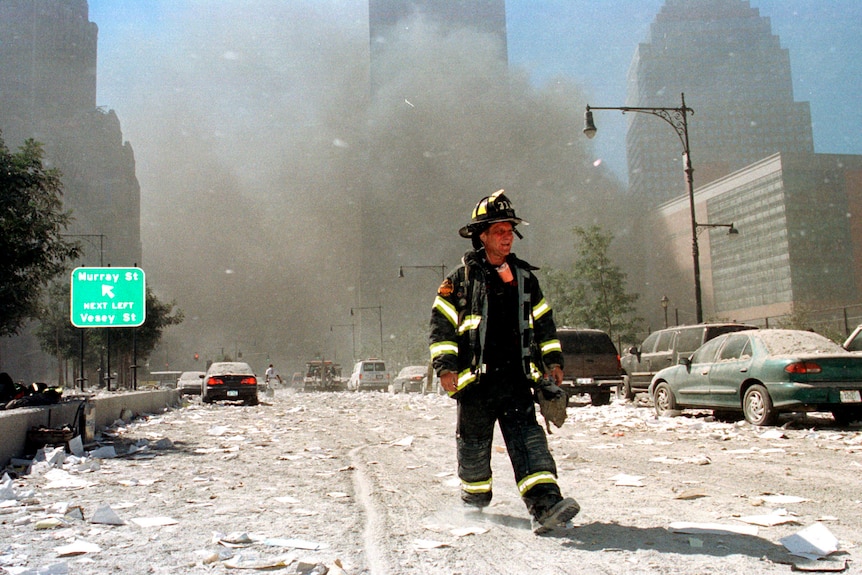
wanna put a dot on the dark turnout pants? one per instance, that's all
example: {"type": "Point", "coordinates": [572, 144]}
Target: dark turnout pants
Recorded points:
{"type": "Point", "coordinates": [498, 398]}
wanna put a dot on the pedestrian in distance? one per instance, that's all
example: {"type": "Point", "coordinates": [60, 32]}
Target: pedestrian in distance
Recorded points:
{"type": "Point", "coordinates": [272, 374]}
{"type": "Point", "coordinates": [494, 345]}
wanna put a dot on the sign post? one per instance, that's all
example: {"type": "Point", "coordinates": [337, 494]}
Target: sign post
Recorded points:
{"type": "Point", "coordinates": [108, 297]}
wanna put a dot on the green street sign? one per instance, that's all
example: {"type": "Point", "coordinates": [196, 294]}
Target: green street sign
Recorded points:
{"type": "Point", "coordinates": [108, 297]}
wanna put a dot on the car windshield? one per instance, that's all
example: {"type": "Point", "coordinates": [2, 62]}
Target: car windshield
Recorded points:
{"type": "Point", "coordinates": [706, 352]}
{"type": "Point", "coordinates": [794, 342]}
{"type": "Point", "coordinates": [230, 368]}
{"type": "Point", "coordinates": [375, 366]}
{"type": "Point", "coordinates": [586, 342]}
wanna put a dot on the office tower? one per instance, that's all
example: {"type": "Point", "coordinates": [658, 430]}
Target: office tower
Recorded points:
{"type": "Point", "coordinates": [48, 93]}
{"type": "Point", "coordinates": [735, 76]}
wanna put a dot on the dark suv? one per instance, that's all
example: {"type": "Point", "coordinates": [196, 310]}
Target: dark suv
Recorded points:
{"type": "Point", "coordinates": [591, 364]}
{"type": "Point", "coordinates": [664, 348]}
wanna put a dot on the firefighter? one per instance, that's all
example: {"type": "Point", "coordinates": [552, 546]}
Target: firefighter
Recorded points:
{"type": "Point", "coordinates": [487, 321]}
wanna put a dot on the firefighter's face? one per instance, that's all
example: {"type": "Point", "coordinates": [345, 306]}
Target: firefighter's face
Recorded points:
{"type": "Point", "coordinates": [498, 241]}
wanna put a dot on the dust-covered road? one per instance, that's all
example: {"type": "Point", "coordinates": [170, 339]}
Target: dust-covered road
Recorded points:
{"type": "Point", "coordinates": [365, 483]}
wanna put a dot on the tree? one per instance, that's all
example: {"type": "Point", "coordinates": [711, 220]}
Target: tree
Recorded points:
{"type": "Point", "coordinates": [593, 293]}
{"type": "Point", "coordinates": [58, 337]}
{"type": "Point", "coordinates": [31, 222]}
{"type": "Point", "coordinates": [55, 332]}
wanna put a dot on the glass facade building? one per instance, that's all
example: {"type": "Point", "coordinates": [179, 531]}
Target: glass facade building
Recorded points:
{"type": "Point", "coordinates": [798, 238]}
{"type": "Point", "coordinates": [735, 76]}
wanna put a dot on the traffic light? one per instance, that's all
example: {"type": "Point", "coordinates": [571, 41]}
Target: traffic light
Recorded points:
{"type": "Point", "coordinates": [197, 357]}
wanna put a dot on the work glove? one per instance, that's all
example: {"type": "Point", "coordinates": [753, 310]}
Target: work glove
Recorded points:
{"type": "Point", "coordinates": [549, 390]}
{"type": "Point", "coordinates": [553, 402]}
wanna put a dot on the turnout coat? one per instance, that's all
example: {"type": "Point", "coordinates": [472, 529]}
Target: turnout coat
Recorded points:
{"type": "Point", "coordinates": [459, 320]}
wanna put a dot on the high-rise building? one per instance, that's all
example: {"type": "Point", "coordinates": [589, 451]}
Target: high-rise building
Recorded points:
{"type": "Point", "coordinates": [788, 255]}
{"type": "Point", "coordinates": [48, 93]}
{"type": "Point", "coordinates": [735, 76]}
{"type": "Point", "coordinates": [395, 191]}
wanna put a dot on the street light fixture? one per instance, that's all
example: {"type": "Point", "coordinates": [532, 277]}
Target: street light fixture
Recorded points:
{"type": "Point", "coordinates": [441, 267]}
{"type": "Point", "coordinates": [731, 229]}
{"type": "Point", "coordinates": [678, 119]}
{"type": "Point", "coordinates": [379, 309]}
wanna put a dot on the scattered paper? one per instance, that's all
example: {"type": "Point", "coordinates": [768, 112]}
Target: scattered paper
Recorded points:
{"type": "Point", "coordinates": [61, 479]}
{"type": "Point", "coordinates": [154, 521]}
{"type": "Point", "coordinates": [825, 565]}
{"type": "Point", "coordinates": [624, 480]}
{"type": "Point", "coordinates": [782, 499]}
{"type": "Point", "coordinates": [294, 543]}
{"type": "Point", "coordinates": [813, 542]}
{"type": "Point", "coordinates": [429, 544]}
{"type": "Point", "coordinates": [464, 531]}
{"type": "Point", "coordinates": [405, 442]}
{"type": "Point", "coordinates": [690, 494]}
{"type": "Point", "coordinates": [242, 561]}
{"type": "Point", "coordinates": [769, 520]}
{"type": "Point", "coordinates": [104, 515]}
{"type": "Point", "coordinates": [234, 539]}
{"type": "Point", "coordinates": [76, 446]}
{"type": "Point", "coordinates": [78, 547]}
{"type": "Point", "coordinates": [104, 452]}
{"type": "Point", "coordinates": [48, 523]}
{"type": "Point", "coordinates": [55, 569]}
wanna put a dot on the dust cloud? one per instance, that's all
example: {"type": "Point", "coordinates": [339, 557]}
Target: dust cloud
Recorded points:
{"type": "Point", "coordinates": [280, 188]}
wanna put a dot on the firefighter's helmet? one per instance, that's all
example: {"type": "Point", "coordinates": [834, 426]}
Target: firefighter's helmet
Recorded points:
{"type": "Point", "coordinates": [490, 210]}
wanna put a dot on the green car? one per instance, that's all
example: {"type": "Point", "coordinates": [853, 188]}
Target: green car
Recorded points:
{"type": "Point", "coordinates": [762, 373]}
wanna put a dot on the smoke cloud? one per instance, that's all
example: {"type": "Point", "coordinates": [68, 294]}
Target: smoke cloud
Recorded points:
{"type": "Point", "coordinates": [280, 188]}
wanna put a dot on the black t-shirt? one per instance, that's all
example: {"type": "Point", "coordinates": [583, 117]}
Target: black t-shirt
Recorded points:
{"type": "Point", "coordinates": [502, 342]}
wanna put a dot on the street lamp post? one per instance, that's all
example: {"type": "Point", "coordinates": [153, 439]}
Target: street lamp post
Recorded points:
{"type": "Point", "coordinates": [379, 309]}
{"type": "Point", "coordinates": [664, 302]}
{"type": "Point", "coordinates": [678, 119]}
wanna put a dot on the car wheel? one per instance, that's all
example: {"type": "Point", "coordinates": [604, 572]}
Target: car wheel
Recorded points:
{"type": "Point", "coordinates": [252, 401]}
{"type": "Point", "coordinates": [845, 416]}
{"type": "Point", "coordinates": [663, 399]}
{"type": "Point", "coordinates": [757, 406]}
{"type": "Point", "coordinates": [600, 398]}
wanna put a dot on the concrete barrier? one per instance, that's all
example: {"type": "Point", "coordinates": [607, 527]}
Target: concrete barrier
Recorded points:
{"type": "Point", "coordinates": [107, 408]}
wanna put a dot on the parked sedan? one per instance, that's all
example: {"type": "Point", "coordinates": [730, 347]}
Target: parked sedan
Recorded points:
{"type": "Point", "coordinates": [189, 382]}
{"type": "Point", "coordinates": [763, 373]}
{"type": "Point", "coordinates": [411, 378]}
{"type": "Point", "coordinates": [231, 380]}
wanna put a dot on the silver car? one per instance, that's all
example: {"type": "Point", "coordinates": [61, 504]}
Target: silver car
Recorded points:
{"type": "Point", "coordinates": [189, 382]}
{"type": "Point", "coordinates": [412, 378]}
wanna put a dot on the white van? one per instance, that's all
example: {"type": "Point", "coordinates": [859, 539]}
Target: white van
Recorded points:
{"type": "Point", "coordinates": [369, 374]}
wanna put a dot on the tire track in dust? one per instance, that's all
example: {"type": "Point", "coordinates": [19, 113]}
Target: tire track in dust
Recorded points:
{"type": "Point", "coordinates": [374, 557]}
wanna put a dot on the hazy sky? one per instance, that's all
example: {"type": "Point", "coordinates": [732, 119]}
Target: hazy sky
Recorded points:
{"type": "Point", "coordinates": [590, 41]}
{"type": "Point", "coordinates": [237, 114]}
